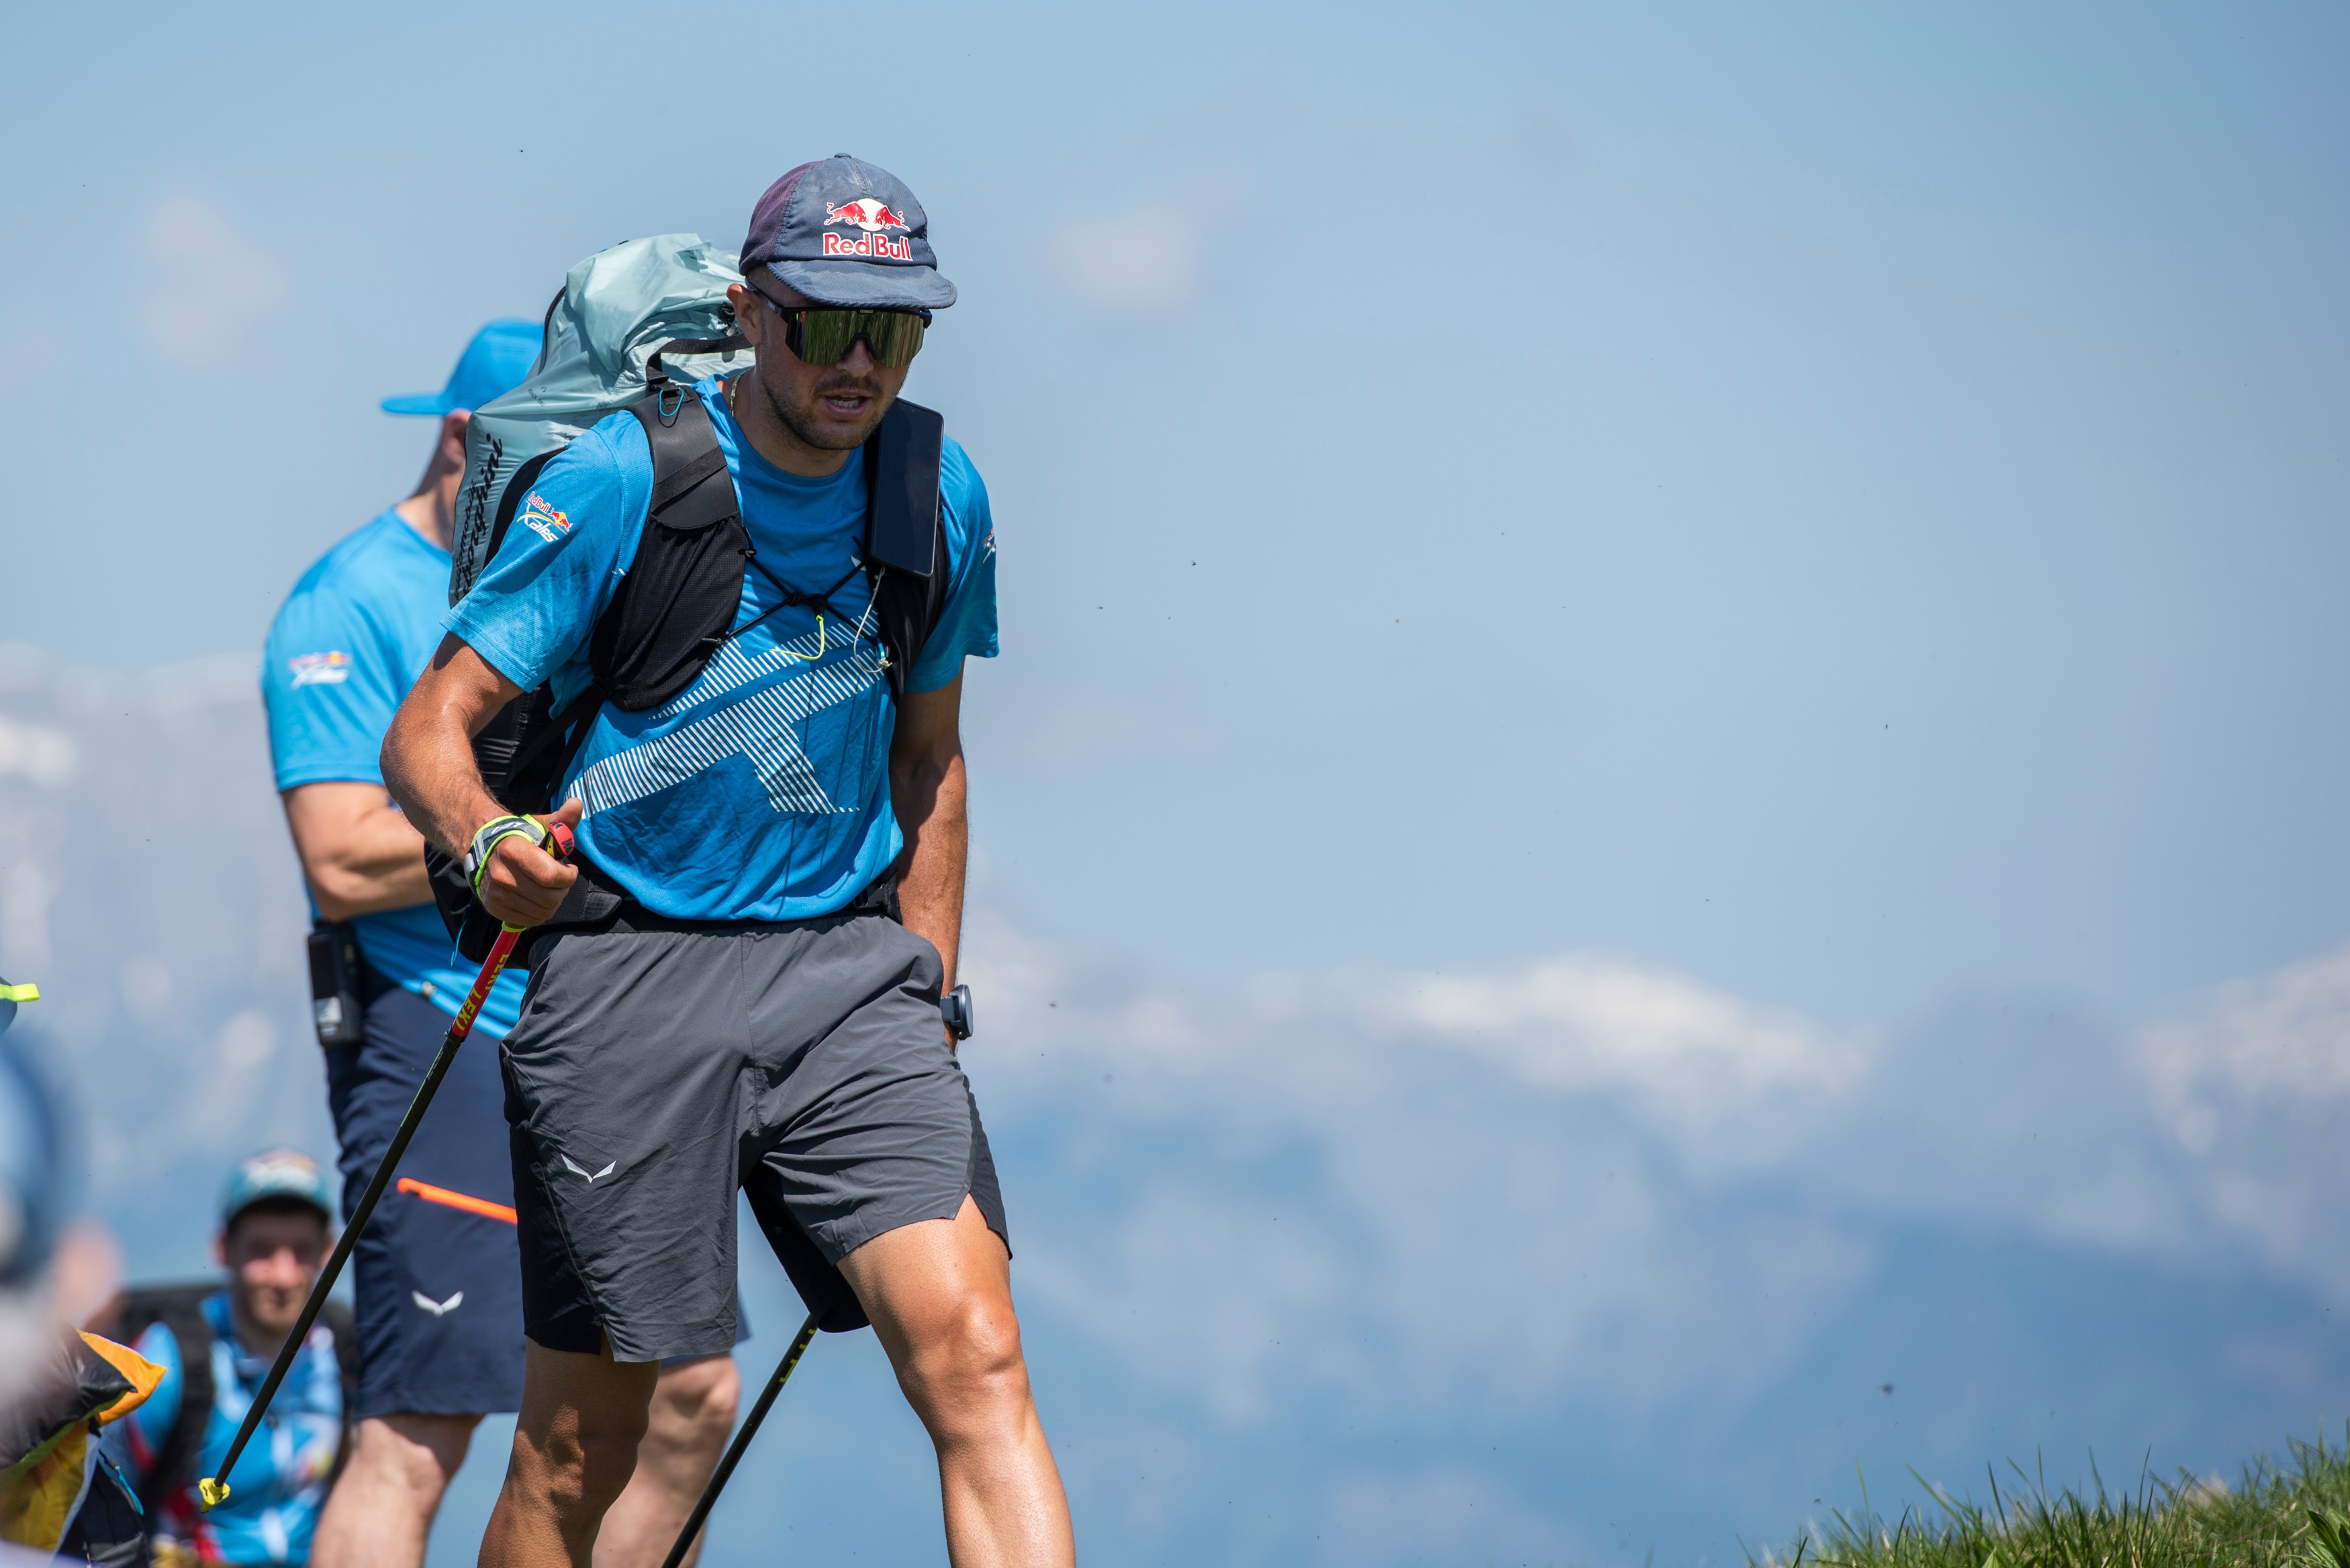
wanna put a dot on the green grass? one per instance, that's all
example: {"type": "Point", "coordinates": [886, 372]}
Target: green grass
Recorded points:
{"type": "Point", "coordinates": [2294, 1515]}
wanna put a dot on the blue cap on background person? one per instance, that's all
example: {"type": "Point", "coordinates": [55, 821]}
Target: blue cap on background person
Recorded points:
{"type": "Point", "coordinates": [493, 365]}
{"type": "Point", "coordinates": [278, 1173]}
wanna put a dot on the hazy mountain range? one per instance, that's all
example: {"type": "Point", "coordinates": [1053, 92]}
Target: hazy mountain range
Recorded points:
{"type": "Point", "coordinates": [1557, 1265]}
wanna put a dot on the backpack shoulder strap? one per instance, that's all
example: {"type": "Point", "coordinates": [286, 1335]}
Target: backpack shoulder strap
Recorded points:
{"type": "Point", "coordinates": [681, 592]}
{"type": "Point", "coordinates": [905, 532]}
{"type": "Point", "coordinates": [902, 499]}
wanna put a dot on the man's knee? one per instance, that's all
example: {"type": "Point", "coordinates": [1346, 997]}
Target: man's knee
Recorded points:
{"type": "Point", "coordinates": [586, 1461]}
{"type": "Point", "coordinates": [414, 1454]}
{"type": "Point", "coordinates": [582, 1418]}
{"type": "Point", "coordinates": [965, 1358]}
{"type": "Point", "coordinates": [694, 1403]}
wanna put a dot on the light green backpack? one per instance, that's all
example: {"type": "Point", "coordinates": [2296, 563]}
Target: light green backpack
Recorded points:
{"type": "Point", "coordinates": [617, 310]}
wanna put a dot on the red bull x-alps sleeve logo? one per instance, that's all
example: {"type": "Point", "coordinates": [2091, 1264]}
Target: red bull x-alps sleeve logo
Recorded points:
{"type": "Point", "coordinates": [331, 668]}
{"type": "Point", "coordinates": [876, 219]}
{"type": "Point", "coordinates": [544, 520]}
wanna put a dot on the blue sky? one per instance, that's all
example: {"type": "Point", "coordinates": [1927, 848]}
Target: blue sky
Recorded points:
{"type": "Point", "coordinates": [1838, 508]}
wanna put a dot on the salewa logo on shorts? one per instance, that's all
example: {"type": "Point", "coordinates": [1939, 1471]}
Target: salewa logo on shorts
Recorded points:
{"type": "Point", "coordinates": [875, 219]}
{"type": "Point", "coordinates": [581, 1170]}
{"type": "Point", "coordinates": [320, 668]}
{"type": "Point", "coordinates": [544, 520]}
{"type": "Point", "coordinates": [437, 1309]}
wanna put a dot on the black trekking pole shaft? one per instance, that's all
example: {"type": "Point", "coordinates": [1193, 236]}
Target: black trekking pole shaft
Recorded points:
{"type": "Point", "coordinates": [700, 1514]}
{"type": "Point", "coordinates": [212, 1490]}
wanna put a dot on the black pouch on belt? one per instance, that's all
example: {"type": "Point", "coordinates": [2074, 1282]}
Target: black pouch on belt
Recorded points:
{"type": "Point", "coordinates": [335, 983]}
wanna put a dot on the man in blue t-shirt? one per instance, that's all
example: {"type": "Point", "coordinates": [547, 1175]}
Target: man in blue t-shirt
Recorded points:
{"type": "Point", "coordinates": [437, 1279]}
{"type": "Point", "coordinates": [276, 1227]}
{"type": "Point", "coordinates": [762, 1010]}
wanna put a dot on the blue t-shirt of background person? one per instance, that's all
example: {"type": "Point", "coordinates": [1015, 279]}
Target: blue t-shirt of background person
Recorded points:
{"type": "Point", "coordinates": [281, 1479]}
{"type": "Point", "coordinates": [761, 791]}
{"type": "Point", "coordinates": [357, 630]}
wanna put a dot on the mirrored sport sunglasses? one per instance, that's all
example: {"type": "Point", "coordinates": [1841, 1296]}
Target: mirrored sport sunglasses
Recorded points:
{"type": "Point", "coordinates": [823, 335]}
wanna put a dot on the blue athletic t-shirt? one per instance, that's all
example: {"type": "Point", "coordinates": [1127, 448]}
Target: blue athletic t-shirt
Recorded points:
{"type": "Point", "coordinates": [357, 631]}
{"type": "Point", "coordinates": [280, 1481]}
{"type": "Point", "coordinates": [761, 791]}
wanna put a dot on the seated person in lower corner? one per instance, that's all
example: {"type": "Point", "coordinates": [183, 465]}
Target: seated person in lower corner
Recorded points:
{"type": "Point", "coordinates": [275, 1236]}
{"type": "Point", "coordinates": [58, 1390]}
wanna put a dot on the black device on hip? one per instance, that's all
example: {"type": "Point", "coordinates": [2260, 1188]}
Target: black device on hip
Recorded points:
{"type": "Point", "coordinates": [335, 984]}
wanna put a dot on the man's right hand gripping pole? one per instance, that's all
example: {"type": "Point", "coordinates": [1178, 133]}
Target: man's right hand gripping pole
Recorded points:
{"type": "Point", "coordinates": [513, 875]}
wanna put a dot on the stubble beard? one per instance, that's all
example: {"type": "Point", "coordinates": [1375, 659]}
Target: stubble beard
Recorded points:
{"type": "Point", "coordinates": [803, 427]}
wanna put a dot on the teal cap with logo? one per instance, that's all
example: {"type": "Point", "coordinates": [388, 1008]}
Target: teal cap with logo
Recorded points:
{"type": "Point", "coordinates": [278, 1173]}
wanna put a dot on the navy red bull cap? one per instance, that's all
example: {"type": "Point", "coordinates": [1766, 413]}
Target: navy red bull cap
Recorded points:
{"type": "Point", "coordinates": [842, 231]}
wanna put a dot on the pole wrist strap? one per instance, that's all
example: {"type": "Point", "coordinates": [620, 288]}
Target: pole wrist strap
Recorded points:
{"type": "Point", "coordinates": [486, 838]}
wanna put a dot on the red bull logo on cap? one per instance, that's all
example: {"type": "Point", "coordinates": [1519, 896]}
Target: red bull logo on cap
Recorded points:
{"type": "Point", "coordinates": [876, 219]}
{"type": "Point", "coordinates": [868, 215]}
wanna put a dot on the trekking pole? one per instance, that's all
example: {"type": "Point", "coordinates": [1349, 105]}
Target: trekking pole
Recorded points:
{"type": "Point", "coordinates": [694, 1520]}
{"type": "Point", "coordinates": [212, 1490]}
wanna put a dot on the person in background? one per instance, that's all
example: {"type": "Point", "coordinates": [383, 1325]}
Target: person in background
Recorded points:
{"type": "Point", "coordinates": [276, 1226]}
{"type": "Point", "coordinates": [438, 1272]}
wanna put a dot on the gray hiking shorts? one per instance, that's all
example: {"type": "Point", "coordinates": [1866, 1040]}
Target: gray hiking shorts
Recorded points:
{"type": "Point", "coordinates": [655, 1072]}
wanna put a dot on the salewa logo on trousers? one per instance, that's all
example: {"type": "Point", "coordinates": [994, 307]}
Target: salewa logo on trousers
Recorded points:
{"type": "Point", "coordinates": [593, 1177]}
{"type": "Point", "coordinates": [437, 1309]}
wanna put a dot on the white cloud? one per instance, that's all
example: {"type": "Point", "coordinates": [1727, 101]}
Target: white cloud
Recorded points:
{"type": "Point", "coordinates": [203, 284]}
{"type": "Point", "coordinates": [35, 751]}
{"type": "Point", "coordinates": [2252, 1088]}
{"type": "Point", "coordinates": [1146, 260]}
{"type": "Point", "coordinates": [2283, 1037]}
{"type": "Point", "coordinates": [1585, 1022]}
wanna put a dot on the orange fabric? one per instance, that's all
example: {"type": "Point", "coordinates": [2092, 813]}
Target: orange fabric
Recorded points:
{"type": "Point", "coordinates": [144, 1376]}
{"type": "Point", "coordinates": [432, 1194]}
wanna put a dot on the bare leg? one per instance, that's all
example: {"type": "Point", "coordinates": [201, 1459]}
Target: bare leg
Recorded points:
{"type": "Point", "coordinates": [573, 1447]}
{"type": "Point", "coordinates": [692, 1417]}
{"type": "Point", "coordinates": [940, 1294]}
{"type": "Point", "coordinates": [382, 1509]}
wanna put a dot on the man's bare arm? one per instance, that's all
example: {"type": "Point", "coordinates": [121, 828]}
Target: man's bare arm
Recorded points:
{"type": "Point", "coordinates": [428, 761]}
{"type": "Point", "coordinates": [360, 853]}
{"type": "Point", "coordinates": [928, 789]}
